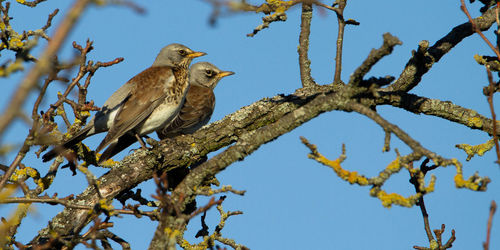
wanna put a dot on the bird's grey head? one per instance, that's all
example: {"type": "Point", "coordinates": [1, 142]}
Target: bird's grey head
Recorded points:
{"type": "Point", "coordinates": [206, 74]}
{"type": "Point", "coordinates": [176, 55]}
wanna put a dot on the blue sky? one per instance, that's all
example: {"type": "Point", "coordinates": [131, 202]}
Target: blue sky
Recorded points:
{"type": "Point", "coordinates": [293, 202]}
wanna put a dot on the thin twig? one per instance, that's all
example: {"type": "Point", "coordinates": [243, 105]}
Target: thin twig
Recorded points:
{"type": "Point", "coordinates": [326, 6]}
{"type": "Point", "coordinates": [340, 41]}
{"type": "Point", "coordinates": [11, 170]}
{"type": "Point", "coordinates": [51, 201]}
{"type": "Point", "coordinates": [477, 30]}
{"type": "Point", "coordinates": [414, 180]}
{"type": "Point", "coordinates": [305, 30]}
{"type": "Point", "coordinates": [493, 208]}
{"type": "Point", "coordinates": [374, 57]}
{"type": "Point", "coordinates": [490, 91]}
{"type": "Point", "coordinates": [425, 216]}
{"type": "Point", "coordinates": [205, 208]}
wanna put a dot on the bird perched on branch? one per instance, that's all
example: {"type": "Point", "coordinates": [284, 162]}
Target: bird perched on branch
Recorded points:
{"type": "Point", "coordinates": [194, 114]}
{"type": "Point", "coordinates": [200, 100]}
{"type": "Point", "coordinates": [147, 102]}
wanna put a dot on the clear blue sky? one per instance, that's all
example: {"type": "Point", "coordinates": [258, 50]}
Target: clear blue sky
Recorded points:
{"type": "Point", "coordinates": [293, 202]}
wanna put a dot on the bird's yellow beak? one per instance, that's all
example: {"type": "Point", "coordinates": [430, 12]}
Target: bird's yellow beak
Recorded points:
{"type": "Point", "coordinates": [225, 73]}
{"type": "Point", "coordinates": [196, 54]}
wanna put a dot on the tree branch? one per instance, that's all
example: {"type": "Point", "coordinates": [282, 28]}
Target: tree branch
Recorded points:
{"type": "Point", "coordinates": [305, 30]}
{"type": "Point", "coordinates": [374, 57]}
{"type": "Point", "coordinates": [340, 40]}
{"type": "Point", "coordinates": [443, 109]}
{"type": "Point", "coordinates": [493, 208]}
{"type": "Point", "coordinates": [425, 57]}
{"type": "Point", "coordinates": [250, 127]}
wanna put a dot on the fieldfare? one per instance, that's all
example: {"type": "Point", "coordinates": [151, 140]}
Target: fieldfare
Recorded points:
{"type": "Point", "coordinates": [200, 101]}
{"type": "Point", "coordinates": [147, 102]}
{"type": "Point", "coordinates": [196, 111]}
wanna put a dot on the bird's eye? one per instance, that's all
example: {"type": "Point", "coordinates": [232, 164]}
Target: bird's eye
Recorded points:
{"type": "Point", "coordinates": [182, 52]}
{"type": "Point", "coordinates": [209, 72]}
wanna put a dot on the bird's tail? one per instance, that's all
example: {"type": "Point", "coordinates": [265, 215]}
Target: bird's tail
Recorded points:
{"type": "Point", "coordinates": [116, 147]}
{"type": "Point", "coordinates": [84, 133]}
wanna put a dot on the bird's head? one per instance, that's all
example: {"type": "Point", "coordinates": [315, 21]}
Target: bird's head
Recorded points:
{"type": "Point", "coordinates": [206, 74]}
{"type": "Point", "coordinates": [176, 55]}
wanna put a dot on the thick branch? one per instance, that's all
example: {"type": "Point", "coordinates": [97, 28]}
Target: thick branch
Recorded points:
{"type": "Point", "coordinates": [443, 109]}
{"type": "Point", "coordinates": [179, 152]}
{"type": "Point", "coordinates": [250, 127]}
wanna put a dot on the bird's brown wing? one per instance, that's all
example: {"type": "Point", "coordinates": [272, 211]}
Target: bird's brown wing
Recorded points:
{"type": "Point", "coordinates": [196, 112]}
{"type": "Point", "coordinates": [147, 94]}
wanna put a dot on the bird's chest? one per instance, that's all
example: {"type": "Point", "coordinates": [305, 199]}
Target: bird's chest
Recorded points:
{"type": "Point", "coordinates": [169, 107]}
{"type": "Point", "coordinates": [176, 90]}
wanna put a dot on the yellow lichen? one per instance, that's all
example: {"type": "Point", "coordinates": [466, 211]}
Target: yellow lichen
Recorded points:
{"type": "Point", "coordinates": [480, 149]}
{"type": "Point", "coordinates": [434, 245]}
{"type": "Point", "coordinates": [15, 42]}
{"type": "Point", "coordinates": [85, 113]}
{"type": "Point", "coordinates": [431, 186]}
{"type": "Point", "coordinates": [390, 199]}
{"type": "Point", "coordinates": [25, 172]}
{"type": "Point", "coordinates": [351, 177]}
{"type": "Point", "coordinates": [394, 166]}
{"type": "Point", "coordinates": [474, 182]}
{"type": "Point", "coordinates": [44, 183]}
{"type": "Point", "coordinates": [107, 163]}
{"type": "Point", "coordinates": [172, 233]}
{"type": "Point", "coordinates": [475, 122]}
{"type": "Point", "coordinates": [13, 67]}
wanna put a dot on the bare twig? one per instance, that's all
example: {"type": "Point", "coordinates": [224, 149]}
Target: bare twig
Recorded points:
{"type": "Point", "coordinates": [412, 143]}
{"type": "Point", "coordinates": [476, 29]}
{"type": "Point", "coordinates": [374, 57]}
{"type": "Point", "coordinates": [47, 200]}
{"type": "Point", "coordinates": [106, 234]}
{"type": "Point", "coordinates": [205, 208]}
{"type": "Point", "coordinates": [438, 242]}
{"type": "Point", "coordinates": [387, 141]}
{"type": "Point", "coordinates": [340, 40]}
{"type": "Point", "coordinates": [421, 203]}
{"type": "Point", "coordinates": [305, 30]}
{"type": "Point", "coordinates": [11, 170]}
{"type": "Point", "coordinates": [493, 208]}
{"type": "Point", "coordinates": [490, 90]}
{"type": "Point", "coordinates": [327, 7]}
{"type": "Point", "coordinates": [49, 19]}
